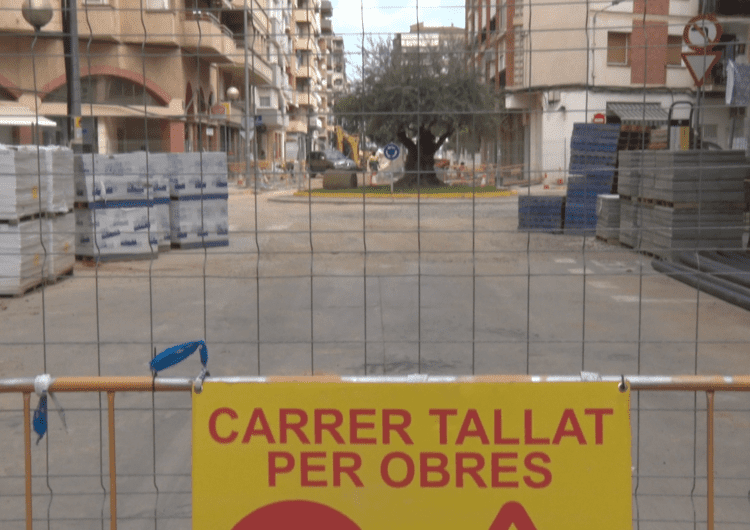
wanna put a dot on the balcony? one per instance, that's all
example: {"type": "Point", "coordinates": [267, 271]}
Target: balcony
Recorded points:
{"type": "Point", "coordinates": [326, 26]}
{"type": "Point", "coordinates": [272, 118]}
{"type": "Point", "coordinates": [326, 9]}
{"type": "Point", "coordinates": [309, 73]}
{"type": "Point", "coordinates": [307, 16]}
{"type": "Point", "coordinates": [297, 126]}
{"type": "Point", "coordinates": [105, 22]}
{"type": "Point", "coordinates": [163, 27]}
{"type": "Point", "coordinates": [204, 35]}
{"type": "Point", "coordinates": [304, 43]}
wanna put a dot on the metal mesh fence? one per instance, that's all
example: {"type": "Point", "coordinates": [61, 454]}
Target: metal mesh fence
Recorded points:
{"type": "Point", "coordinates": [586, 164]}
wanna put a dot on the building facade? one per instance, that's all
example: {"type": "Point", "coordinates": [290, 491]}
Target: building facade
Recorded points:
{"type": "Point", "coordinates": [239, 76]}
{"type": "Point", "coordinates": [567, 62]}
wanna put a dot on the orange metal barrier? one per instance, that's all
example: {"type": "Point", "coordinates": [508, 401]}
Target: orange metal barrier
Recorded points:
{"type": "Point", "coordinates": [112, 385]}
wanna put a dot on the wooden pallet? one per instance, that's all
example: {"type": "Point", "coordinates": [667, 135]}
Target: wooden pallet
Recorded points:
{"type": "Point", "coordinates": [609, 240]}
{"type": "Point", "coordinates": [22, 290]}
{"type": "Point", "coordinates": [67, 273]}
{"type": "Point", "coordinates": [91, 261]}
{"type": "Point", "coordinates": [198, 244]}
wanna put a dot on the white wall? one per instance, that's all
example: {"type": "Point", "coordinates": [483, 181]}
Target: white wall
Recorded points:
{"type": "Point", "coordinates": [557, 124]}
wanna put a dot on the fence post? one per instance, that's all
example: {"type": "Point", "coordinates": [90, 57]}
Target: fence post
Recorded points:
{"type": "Point", "coordinates": [27, 450]}
{"type": "Point", "coordinates": [112, 463]}
{"type": "Point", "coordinates": [710, 459]}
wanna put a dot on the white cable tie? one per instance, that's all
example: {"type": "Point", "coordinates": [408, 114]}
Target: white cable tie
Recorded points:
{"type": "Point", "coordinates": [590, 376]}
{"type": "Point", "coordinates": [41, 387]}
{"type": "Point", "coordinates": [42, 384]}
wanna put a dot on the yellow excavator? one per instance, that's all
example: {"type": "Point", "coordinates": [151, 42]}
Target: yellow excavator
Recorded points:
{"type": "Point", "coordinates": [348, 144]}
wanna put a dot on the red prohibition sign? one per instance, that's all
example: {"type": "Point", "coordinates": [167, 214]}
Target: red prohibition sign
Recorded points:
{"type": "Point", "coordinates": [702, 32]}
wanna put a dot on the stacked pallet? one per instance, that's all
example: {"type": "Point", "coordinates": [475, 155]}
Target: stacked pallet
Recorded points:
{"type": "Point", "coordinates": [199, 200]}
{"type": "Point", "coordinates": [115, 217]}
{"type": "Point", "coordinates": [608, 217]}
{"type": "Point", "coordinates": [682, 200]}
{"type": "Point", "coordinates": [36, 219]}
{"type": "Point", "coordinates": [633, 137]}
{"type": "Point", "coordinates": [540, 214]}
{"type": "Point", "coordinates": [593, 159]}
{"type": "Point", "coordinates": [659, 139]}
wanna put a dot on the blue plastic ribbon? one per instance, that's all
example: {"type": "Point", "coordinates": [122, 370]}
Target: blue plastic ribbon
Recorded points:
{"type": "Point", "coordinates": [175, 354]}
{"type": "Point", "coordinates": [40, 418]}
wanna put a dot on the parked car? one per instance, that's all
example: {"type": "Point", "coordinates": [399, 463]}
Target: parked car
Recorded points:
{"type": "Point", "coordinates": [321, 161]}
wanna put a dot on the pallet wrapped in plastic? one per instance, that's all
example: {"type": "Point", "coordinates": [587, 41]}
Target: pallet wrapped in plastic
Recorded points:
{"type": "Point", "coordinates": [111, 177]}
{"type": "Point", "coordinates": [20, 183]}
{"type": "Point", "coordinates": [117, 230]}
{"type": "Point", "coordinates": [21, 256]}
{"type": "Point", "coordinates": [59, 242]}
{"type": "Point", "coordinates": [200, 221]}
{"type": "Point", "coordinates": [58, 172]}
{"type": "Point", "coordinates": [196, 173]}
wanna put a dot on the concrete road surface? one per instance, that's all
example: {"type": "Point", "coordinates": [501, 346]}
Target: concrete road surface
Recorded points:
{"type": "Point", "coordinates": [384, 287]}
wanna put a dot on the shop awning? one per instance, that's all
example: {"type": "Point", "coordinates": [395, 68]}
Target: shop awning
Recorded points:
{"type": "Point", "coordinates": [22, 117]}
{"type": "Point", "coordinates": [646, 114]}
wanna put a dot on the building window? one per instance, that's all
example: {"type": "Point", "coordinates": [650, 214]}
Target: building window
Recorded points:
{"type": "Point", "coordinates": [674, 50]}
{"type": "Point", "coordinates": [157, 4]}
{"type": "Point", "coordinates": [106, 89]}
{"type": "Point", "coordinates": [264, 102]}
{"type": "Point", "coordinates": [618, 48]}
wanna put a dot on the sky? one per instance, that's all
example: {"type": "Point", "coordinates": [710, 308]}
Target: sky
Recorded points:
{"type": "Point", "coordinates": [387, 17]}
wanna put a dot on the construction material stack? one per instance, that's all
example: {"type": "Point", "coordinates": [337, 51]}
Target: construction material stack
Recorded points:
{"type": "Point", "coordinates": [608, 218]}
{"type": "Point", "coordinates": [593, 161]}
{"type": "Point", "coordinates": [199, 200]}
{"type": "Point", "coordinates": [115, 216]}
{"type": "Point", "coordinates": [159, 171]}
{"type": "Point", "coordinates": [540, 214]}
{"type": "Point", "coordinates": [36, 220]}
{"type": "Point", "coordinates": [682, 200]}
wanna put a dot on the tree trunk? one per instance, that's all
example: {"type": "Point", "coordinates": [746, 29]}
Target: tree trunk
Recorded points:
{"type": "Point", "coordinates": [419, 168]}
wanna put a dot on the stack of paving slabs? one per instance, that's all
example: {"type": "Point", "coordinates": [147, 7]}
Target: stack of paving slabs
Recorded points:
{"type": "Point", "coordinates": [115, 217]}
{"type": "Point", "coordinates": [540, 214]}
{"type": "Point", "coordinates": [593, 160]}
{"type": "Point", "coordinates": [608, 218]}
{"type": "Point", "coordinates": [36, 219]}
{"type": "Point", "coordinates": [682, 200]}
{"type": "Point", "coordinates": [198, 210]}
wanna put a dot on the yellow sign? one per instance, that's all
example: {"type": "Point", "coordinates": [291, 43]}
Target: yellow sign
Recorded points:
{"type": "Point", "coordinates": [375, 456]}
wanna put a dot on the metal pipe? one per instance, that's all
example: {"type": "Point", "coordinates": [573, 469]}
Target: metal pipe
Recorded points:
{"type": "Point", "coordinates": [27, 451]}
{"type": "Point", "coordinates": [112, 463]}
{"type": "Point", "coordinates": [688, 383]}
{"type": "Point", "coordinates": [710, 459]}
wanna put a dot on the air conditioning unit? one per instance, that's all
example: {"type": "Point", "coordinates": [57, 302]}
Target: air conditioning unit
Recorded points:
{"type": "Point", "coordinates": [553, 96]}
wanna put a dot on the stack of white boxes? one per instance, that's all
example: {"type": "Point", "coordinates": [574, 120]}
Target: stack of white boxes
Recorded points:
{"type": "Point", "coordinates": [199, 207]}
{"type": "Point", "coordinates": [36, 219]}
{"type": "Point", "coordinates": [115, 217]}
{"type": "Point", "coordinates": [158, 176]}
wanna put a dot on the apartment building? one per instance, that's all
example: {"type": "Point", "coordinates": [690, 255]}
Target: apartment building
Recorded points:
{"type": "Point", "coordinates": [333, 70]}
{"type": "Point", "coordinates": [569, 61]}
{"type": "Point", "coordinates": [240, 76]}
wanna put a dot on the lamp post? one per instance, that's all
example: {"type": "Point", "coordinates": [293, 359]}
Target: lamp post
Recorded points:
{"type": "Point", "coordinates": [38, 13]}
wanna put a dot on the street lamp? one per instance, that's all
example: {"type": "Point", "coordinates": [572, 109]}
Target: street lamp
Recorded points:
{"type": "Point", "coordinates": [233, 94]}
{"type": "Point", "coordinates": [38, 13]}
